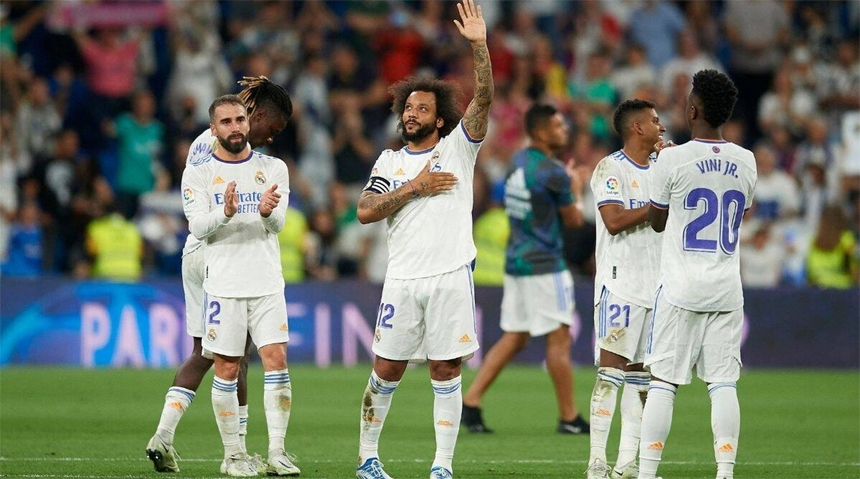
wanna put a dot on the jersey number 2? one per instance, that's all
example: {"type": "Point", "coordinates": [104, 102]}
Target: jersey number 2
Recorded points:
{"type": "Point", "coordinates": [215, 308]}
{"type": "Point", "coordinates": [716, 209]}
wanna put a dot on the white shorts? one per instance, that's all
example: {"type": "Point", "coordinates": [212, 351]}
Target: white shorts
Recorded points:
{"type": "Point", "coordinates": [681, 340]}
{"type": "Point", "coordinates": [193, 271]}
{"type": "Point", "coordinates": [230, 320]}
{"type": "Point", "coordinates": [621, 327]}
{"type": "Point", "coordinates": [537, 304]}
{"type": "Point", "coordinates": [427, 318]}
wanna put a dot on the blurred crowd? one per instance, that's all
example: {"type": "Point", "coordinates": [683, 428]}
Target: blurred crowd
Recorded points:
{"type": "Point", "coordinates": [101, 100]}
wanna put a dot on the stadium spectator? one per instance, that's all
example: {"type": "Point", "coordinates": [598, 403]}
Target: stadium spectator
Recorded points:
{"type": "Point", "coordinates": [785, 105]}
{"type": "Point", "coordinates": [634, 74]}
{"type": "Point", "coordinates": [594, 95]}
{"type": "Point", "coordinates": [761, 259]}
{"type": "Point", "coordinates": [293, 242]}
{"type": "Point", "coordinates": [140, 138]}
{"type": "Point", "coordinates": [24, 256]}
{"type": "Point", "coordinates": [656, 25]}
{"type": "Point", "coordinates": [776, 193]}
{"type": "Point", "coordinates": [491, 231]}
{"type": "Point", "coordinates": [38, 120]}
{"type": "Point", "coordinates": [690, 59]}
{"type": "Point", "coordinates": [115, 246]}
{"type": "Point", "coordinates": [833, 261]}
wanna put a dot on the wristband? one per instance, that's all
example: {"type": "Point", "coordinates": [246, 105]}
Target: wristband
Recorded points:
{"type": "Point", "coordinates": [414, 193]}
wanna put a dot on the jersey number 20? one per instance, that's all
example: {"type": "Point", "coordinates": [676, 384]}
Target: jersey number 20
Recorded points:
{"type": "Point", "coordinates": [716, 209]}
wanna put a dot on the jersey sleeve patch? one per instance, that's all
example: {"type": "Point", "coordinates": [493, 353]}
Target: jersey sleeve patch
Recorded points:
{"type": "Point", "coordinates": [612, 187]}
{"type": "Point", "coordinates": [378, 184]}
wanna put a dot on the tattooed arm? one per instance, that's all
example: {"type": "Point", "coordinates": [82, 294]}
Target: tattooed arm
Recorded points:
{"type": "Point", "coordinates": [474, 29]}
{"type": "Point", "coordinates": [373, 206]}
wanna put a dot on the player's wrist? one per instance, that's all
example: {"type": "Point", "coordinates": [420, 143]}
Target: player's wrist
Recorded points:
{"type": "Point", "coordinates": [413, 192]}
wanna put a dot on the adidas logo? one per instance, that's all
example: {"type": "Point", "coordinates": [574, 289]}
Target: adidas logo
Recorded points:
{"type": "Point", "coordinates": [515, 185]}
{"type": "Point", "coordinates": [399, 172]}
{"type": "Point", "coordinates": [176, 405]}
{"type": "Point", "coordinates": [444, 422]}
{"type": "Point", "coordinates": [656, 446]}
{"type": "Point", "coordinates": [603, 412]}
{"type": "Point", "coordinates": [218, 180]}
{"type": "Point", "coordinates": [634, 184]}
{"type": "Point", "coordinates": [286, 403]}
{"type": "Point", "coordinates": [226, 413]}
{"type": "Point", "coordinates": [465, 339]}
{"type": "Point", "coordinates": [726, 448]}
{"type": "Point", "coordinates": [283, 327]}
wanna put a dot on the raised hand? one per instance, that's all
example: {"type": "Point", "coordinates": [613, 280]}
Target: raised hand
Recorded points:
{"type": "Point", "coordinates": [660, 145]}
{"type": "Point", "coordinates": [431, 182]}
{"type": "Point", "coordinates": [269, 201]}
{"type": "Point", "coordinates": [231, 200]}
{"type": "Point", "coordinates": [471, 23]}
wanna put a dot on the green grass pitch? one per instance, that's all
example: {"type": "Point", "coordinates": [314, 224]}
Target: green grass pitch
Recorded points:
{"type": "Point", "coordinates": [72, 423]}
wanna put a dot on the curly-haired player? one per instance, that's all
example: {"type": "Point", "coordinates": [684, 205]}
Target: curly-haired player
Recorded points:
{"type": "Point", "coordinates": [699, 193]}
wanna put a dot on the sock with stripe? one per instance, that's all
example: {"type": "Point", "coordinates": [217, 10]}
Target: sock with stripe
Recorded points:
{"type": "Point", "coordinates": [603, 398]}
{"type": "Point", "coordinates": [656, 423]}
{"type": "Point", "coordinates": [243, 425]}
{"type": "Point", "coordinates": [176, 401]}
{"type": "Point", "coordinates": [447, 409]}
{"type": "Point", "coordinates": [277, 400]}
{"type": "Point", "coordinates": [225, 404]}
{"type": "Point", "coordinates": [374, 409]}
{"type": "Point", "coordinates": [726, 425]}
{"type": "Point", "coordinates": [632, 403]}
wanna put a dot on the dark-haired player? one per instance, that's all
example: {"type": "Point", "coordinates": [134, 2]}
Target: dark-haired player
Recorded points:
{"type": "Point", "coordinates": [540, 198]}
{"type": "Point", "coordinates": [628, 260]}
{"type": "Point", "coordinates": [269, 108]}
{"type": "Point", "coordinates": [699, 193]}
{"type": "Point", "coordinates": [424, 191]}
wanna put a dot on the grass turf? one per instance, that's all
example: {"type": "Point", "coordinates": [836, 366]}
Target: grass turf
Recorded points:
{"type": "Point", "coordinates": [71, 423]}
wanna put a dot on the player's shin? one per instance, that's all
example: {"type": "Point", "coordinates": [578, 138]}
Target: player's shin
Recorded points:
{"type": "Point", "coordinates": [632, 403]}
{"type": "Point", "coordinates": [603, 398]}
{"type": "Point", "coordinates": [726, 425]}
{"type": "Point", "coordinates": [243, 425]}
{"type": "Point", "coordinates": [176, 402]}
{"type": "Point", "coordinates": [656, 423]}
{"type": "Point", "coordinates": [277, 400]}
{"type": "Point", "coordinates": [447, 408]}
{"type": "Point", "coordinates": [225, 404]}
{"type": "Point", "coordinates": [374, 408]}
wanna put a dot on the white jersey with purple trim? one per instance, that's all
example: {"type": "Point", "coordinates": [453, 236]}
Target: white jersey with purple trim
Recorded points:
{"type": "Point", "coordinates": [204, 145]}
{"type": "Point", "coordinates": [433, 234]}
{"type": "Point", "coordinates": [242, 256]}
{"type": "Point", "coordinates": [706, 186]}
{"type": "Point", "coordinates": [627, 263]}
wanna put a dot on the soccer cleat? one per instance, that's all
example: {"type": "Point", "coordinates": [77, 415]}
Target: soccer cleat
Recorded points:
{"type": "Point", "coordinates": [474, 421]}
{"type": "Point", "coordinates": [630, 471]}
{"type": "Point", "coordinates": [258, 463]}
{"type": "Point", "coordinates": [162, 455]}
{"type": "Point", "coordinates": [440, 472]}
{"type": "Point", "coordinates": [238, 465]}
{"type": "Point", "coordinates": [371, 469]}
{"type": "Point", "coordinates": [597, 470]}
{"type": "Point", "coordinates": [281, 464]}
{"type": "Point", "coordinates": [577, 426]}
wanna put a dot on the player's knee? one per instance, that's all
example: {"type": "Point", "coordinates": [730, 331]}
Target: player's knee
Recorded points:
{"type": "Point", "coordinates": [227, 370]}
{"type": "Point", "coordinates": [274, 356]}
{"type": "Point", "coordinates": [445, 370]}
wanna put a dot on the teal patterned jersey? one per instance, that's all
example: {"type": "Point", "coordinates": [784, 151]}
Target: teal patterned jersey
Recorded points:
{"type": "Point", "coordinates": [535, 187]}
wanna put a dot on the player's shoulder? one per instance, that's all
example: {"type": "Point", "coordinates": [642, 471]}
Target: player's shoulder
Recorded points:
{"type": "Point", "coordinates": [268, 161]}
{"type": "Point", "coordinates": [201, 148]}
{"type": "Point", "coordinates": [388, 155]}
{"type": "Point", "coordinates": [609, 164]}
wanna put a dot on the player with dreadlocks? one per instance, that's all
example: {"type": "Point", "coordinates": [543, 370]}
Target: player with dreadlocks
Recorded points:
{"type": "Point", "coordinates": [269, 108]}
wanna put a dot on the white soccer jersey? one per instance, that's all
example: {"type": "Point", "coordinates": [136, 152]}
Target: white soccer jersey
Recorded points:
{"type": "Point", "coordinates": [433, 234]}
{"type": "Point", "coordinates": [707, 186]}
{"type": "Point", "coordinates": [203, 146]}
{"type": "Point", "coordinates": [242, 256]}
{"type": "Point", "coordinates": [627, 263]}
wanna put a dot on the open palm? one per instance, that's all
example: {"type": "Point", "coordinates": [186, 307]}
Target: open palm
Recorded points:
{"type": "Point", "coordinates": [471, 23]}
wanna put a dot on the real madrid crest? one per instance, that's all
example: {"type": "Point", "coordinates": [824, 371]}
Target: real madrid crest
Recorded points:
{"type": "Point", "coordinates": [378, 335]}
{"type": "Point", "coordinates": [435, 156]}
{"type": "Point", "coordinates": [212, 335]}
{"type": "Point", "coordinates": [260, 178]}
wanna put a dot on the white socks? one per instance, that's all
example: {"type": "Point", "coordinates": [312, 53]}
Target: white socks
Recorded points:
{"type": "Point", "coordinates": [726, 425]}
{"type": "Point", "coordinates": [243, 425]}
{"type": "Point", "coordinates": [447, 409]}
{"type": "Point", "coordinates": [656, 423]}
{"type": "Point", "coordinates": [374, 408]}
{"type": "Point", "coordinates": [603, 399]}
{"type": "Point", "coordinates": [225, 404]}
{"type": "Point", "coordinates": [277, 400]}
{"type": "Point", "coordinates": [632, 404]}
{"type": "Point", "coordinates": [176, 401]}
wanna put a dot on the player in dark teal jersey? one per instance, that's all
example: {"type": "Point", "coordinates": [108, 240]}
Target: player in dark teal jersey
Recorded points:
{"type": "Point", "coordinates": [540, 196]}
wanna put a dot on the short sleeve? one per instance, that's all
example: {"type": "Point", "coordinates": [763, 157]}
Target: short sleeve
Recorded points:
{"type": "Point", "coordinates": [661, 190]}
{"type": "Point", "coordinates": [380, 177]}
{"type": "Point", "coordinates": [606, 183]}
{"type": "Point", "coordinates": [559, 184]}
{"type": "Point", "coordinates": [467, 147]}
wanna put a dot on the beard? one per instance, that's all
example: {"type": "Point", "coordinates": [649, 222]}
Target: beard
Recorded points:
{"type": "Point", "coordinates": [232, 147]}
{"type": "Point", "coordinates": [422, 132]}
